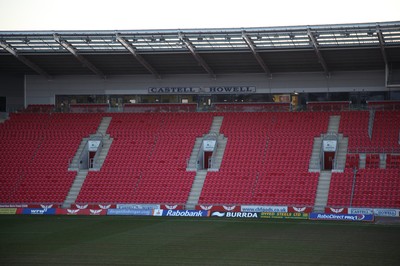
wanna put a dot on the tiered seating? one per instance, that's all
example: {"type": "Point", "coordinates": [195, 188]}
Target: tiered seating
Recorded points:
{"type": "Point", "coordinates": [147, 160]}
{"type": "Point", "coordinates": [377, 188]}
{"type": "Point", "coordinates": [285, 174]}
{"type": "Point", "coordinates": [39, 147]}
{"type": "Point", "coordinates": [266, 160]}
{"type": "Point", "coordinates": [393, 161]}
{"type": "Point", "coordinates": [243, 158]}
{"type": "Point", "coordinates": [374, 187]}
{"type": "Point", "coordinates": [372, 161]}
{"type": "Point", "coordinates": [352, 160]}
{"type": "Point", "coordinates": [385, 134]}
{"type": "Point", "coordinates": [354, 125]}
{"type": "Point", "coordinates": [340, 188]}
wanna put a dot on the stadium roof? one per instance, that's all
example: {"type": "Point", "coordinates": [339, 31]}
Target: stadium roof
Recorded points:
{"type": "Point", "coordinates": [324, 48]}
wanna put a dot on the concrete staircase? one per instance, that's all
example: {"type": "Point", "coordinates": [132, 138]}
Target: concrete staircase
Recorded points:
{"type": "Point", "coordinates": [105, 122]}
{"type": "Point", "coordinates": [214, 128]}
{"type": "Point", "coordinates": [363, 159]}
{"type": "Point", "coordinates": [333, 126]}
{"type": "Point", "coordinates": [200, 177]}
{"type": "Point", "coordinates": [216, 124]}
{"type": "Point", "coordinates": [191, 166]}
{"type": "Point", "coordinates": [321, 197]}
{"type": "Point", "coordinates": [75, 188]}
{"type": "Point", "coordinates": [220, 152]}
{"type": "Point", "coordinates": [107, 141]}
{"type": "Point", "coordinates": [196, 189]}
{"type": "Point", "coordinates": [315, 163]}
{"type": "Point", "coordinates": [382, 161]}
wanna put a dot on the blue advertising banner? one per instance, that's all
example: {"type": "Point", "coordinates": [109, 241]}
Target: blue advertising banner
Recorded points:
{"type": "Point", "coordinates": [342, 217]}
{"type": "Point", "coordinates": [181, 213]}
{"type": "Point", "coordinates": [133, 212]}
{"type": "Point", "coordinates": [39, 211]}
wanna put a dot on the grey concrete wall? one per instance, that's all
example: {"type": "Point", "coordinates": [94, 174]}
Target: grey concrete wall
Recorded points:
{"type": "Point", "coordinates": [42, 91]}
{"type": "Point", "coordinates": [12, 87]}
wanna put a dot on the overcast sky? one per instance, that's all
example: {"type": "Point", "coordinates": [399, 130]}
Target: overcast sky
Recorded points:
{"type": "Point", "coordinates": [179, 14]}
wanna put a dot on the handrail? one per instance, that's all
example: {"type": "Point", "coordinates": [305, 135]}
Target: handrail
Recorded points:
{"type": "Point", "coordinates": [371, 122]}
{"type": "Point", "coordinates": [353, 186]}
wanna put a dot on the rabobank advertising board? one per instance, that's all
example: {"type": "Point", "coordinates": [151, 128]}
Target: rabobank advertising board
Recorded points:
{"type": "Point", "coordinates": [181, 213]}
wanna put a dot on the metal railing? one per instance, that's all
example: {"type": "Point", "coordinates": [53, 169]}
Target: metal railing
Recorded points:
{"type": "Point", "coordinates": [353, 185]}
{"type": "Point", "coordinates": [371, 122]}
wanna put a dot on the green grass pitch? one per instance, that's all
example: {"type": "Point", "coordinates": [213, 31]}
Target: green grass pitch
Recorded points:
{"type": "Point", "coordinates": [116, 240]}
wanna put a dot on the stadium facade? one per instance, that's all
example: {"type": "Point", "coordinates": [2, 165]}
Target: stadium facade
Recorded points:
{"type": "Point", "coordinates": [347, 62]}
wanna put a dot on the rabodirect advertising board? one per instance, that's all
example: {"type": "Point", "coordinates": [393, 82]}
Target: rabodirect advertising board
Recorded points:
{"type": "Point", "coordinates": [342, 217]}
{"type": "Point", "coordinates": [284, 215]}
{"type": "Point", "coordinates": [236, 214]}
{"type": "Point", "coordinates": [181, 213]}
{"type": "Point", "coordinates": [39, 211]}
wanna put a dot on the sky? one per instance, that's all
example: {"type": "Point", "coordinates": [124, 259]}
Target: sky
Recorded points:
{"type": "Point", "coordinates": [53, 15]}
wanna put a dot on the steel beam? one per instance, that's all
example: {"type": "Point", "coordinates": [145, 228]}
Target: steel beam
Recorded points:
{"type": "Point", "coordinates": [382, 44]}
{"type": "Point", "coordinates": [198, 58]}
{"type": "Point", "coordinates": [260, 61]}
{"type": "Point", "coordinates": [128, 46]}
{"type": "Point", "coordinates": [74, 52]}
{"type": "Point", "coordinates": [318, 53]}
{"type": "Point", "coordinates": [25, 60]}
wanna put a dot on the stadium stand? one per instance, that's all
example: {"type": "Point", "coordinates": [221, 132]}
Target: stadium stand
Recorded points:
{"type": "Point", "coordinates": [256, 169]}
{"type": "Point", "coordinates": [36, 149]}
{"type": "Point", "coordinates": [147, 161]}
{"type": "Point", "coordinates": [265, 161]}
{"type": "Point", "coordinates": [377, 188]}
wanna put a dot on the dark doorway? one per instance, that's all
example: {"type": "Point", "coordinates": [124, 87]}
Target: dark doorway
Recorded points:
{"type": "Point", "coordinates": [328, 160]}
{"type": "Point", "coordinates": [91, 158]}
{"type": "Point", "coordinates": [207, 157]}
{"type": "Point", "coordinates": [3, 104]}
